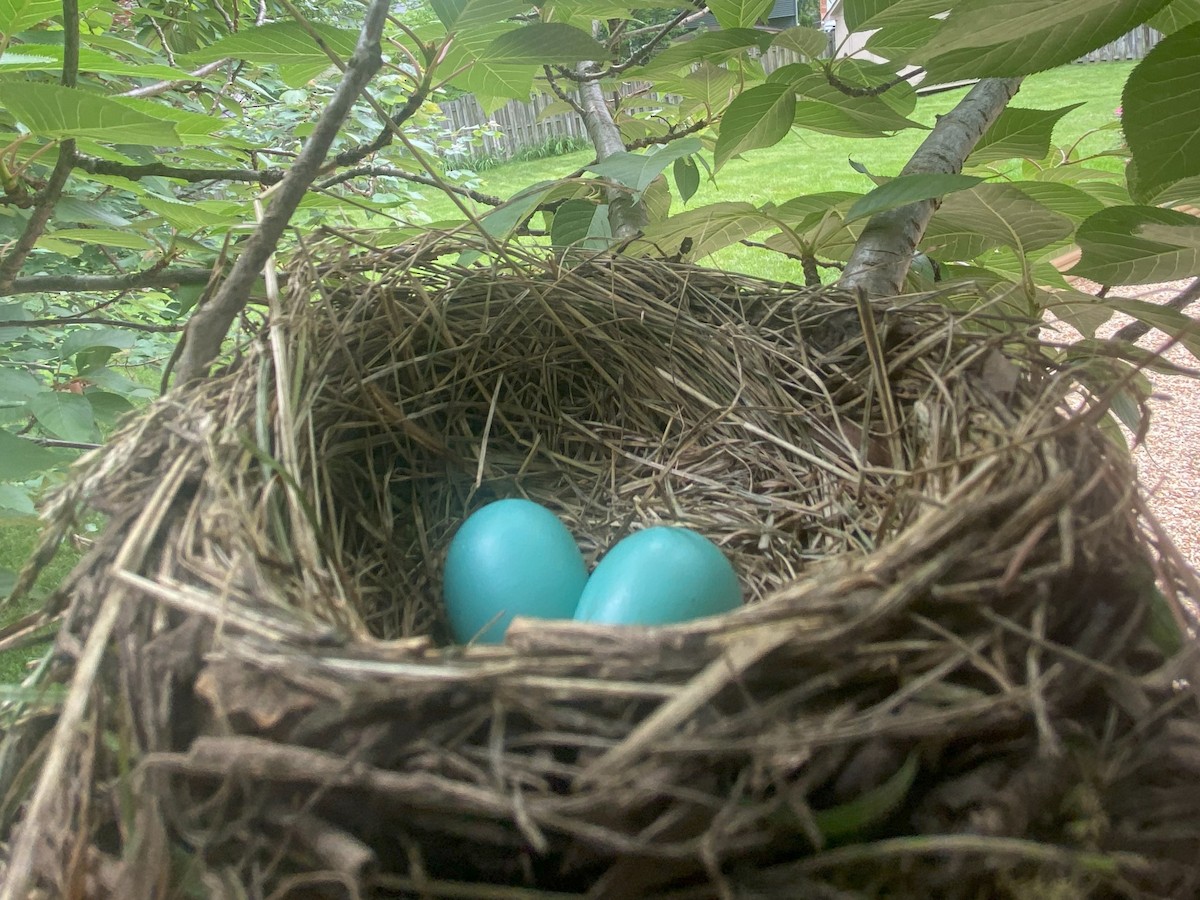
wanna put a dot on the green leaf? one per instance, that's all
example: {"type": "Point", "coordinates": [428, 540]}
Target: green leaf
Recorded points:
{"type": "Point", "coordinates": [1072, 202]}
{"type": "Point", "coordinates": [810, 42]}
{"type": "Point", "coordinates": [637, 170]}
{"type": "Point", "coordinates": [823, 107]}
{"type": "Point", "coordinates": [1161, 105]}
{"type": "Point", "coordinates": [108, 408]}
{"type": "Point", "coordinates": [17, 385]}
{"type": "Point", "coordinates": [865, 14]}
{"type": "Point", "coordinates": [49, 110]}
{"type": "Point", "coordinates": [491, 82]}
{"type": "Point", "coordinates": [1169, 321]}
{"type": "Point", "coordinates": [17, 15]}
{"type": "Point", "coordinates": [15, 501]}
{"type": "Point", "coordinates": [909, 189]}
{"type": "Point", "coordinates": [1018, 132]}
{"type": "Point", "coordinates": [581, 224]}
{"type": "Point", "coordinates": [103, 237]}
{"type": "Point", "coordinates": [739, 13]}
{"type": "Point", "coordinates": [991, 215]}
{"type": "Point", "coordinates": [543, 43]}
{"type": "Point", "coordinates": [872, 807]}
{"type": "Point", "coordinates": [456, 14]}
{"type": "Point", "coordinates": [759, 117]}
{"type": "Point", "coordinates": [20, 458]}
{"type": "Point", "coordinates": [283, 44]}
{"type": "Point", "coordinates": [503, 220]}
{"type": "Point", "coordinates": [707, 228]}
{"type": "Point", "coordinates": [714, 46]}
{"type": "Point", "coordinates": [687, 178]}
{"type": "Point", "coordinates": [198, 215]}
{"type": "Point", "coordinates": [37, 57]}
{"type": "Point", "coordinates": [714, 86]}
{"type": "Point", "coordinates": [65, 415]}
{"type": "Point", "coordinates": [1115, 253]}
{"type": "Point", "coordinates": [901, 41]}
{"type": "Point", "coordinates": [1177, 15]}
{"type": "Point", "coordinates": [1071, 30]}
{"type": "Point", "coordinates": [13, 312]}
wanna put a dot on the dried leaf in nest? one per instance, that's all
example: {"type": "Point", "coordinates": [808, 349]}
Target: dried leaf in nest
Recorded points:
{"type": "Point", "coordinates": [943, 684]}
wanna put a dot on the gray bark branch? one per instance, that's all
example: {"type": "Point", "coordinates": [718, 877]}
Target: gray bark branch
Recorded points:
{"type": "Point", "coordinates": [885, 248]}
{"type": "Point", "coordinates": [210, 323]}
{"type": "Point", "coordinates": [625, 215]}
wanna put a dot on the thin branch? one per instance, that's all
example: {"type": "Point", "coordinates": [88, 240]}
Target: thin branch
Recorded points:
{"type": "Point", "coordinates": [1136, 330]}
{"type": "Point", "coordinates": [152, 278]}
{"type": "Point", "coordinates": [884, 251]}
{"type": "Point", "coordinates": [853, 90]}
{"type": "Point", "coordinates": [161, 87]}
{"type": "Point", "coordinates": [43, 209]}
{"type": "Point", "coordinates": [386, 172]}
{"type": "Point", "coordinates": [560, 93]}
{"type": "Point", "coordinates": [636, 59]}
{"type": "Point", "coordinates": [96, 166]}
{"type": "Point", "coordinates": [210, 323]}
{"type": "Point", "coordinates": [89, 320]}
{"type": "Point", "coordinates": [64, 445]}
{"type": "Point", "coordinates": [651, 140]}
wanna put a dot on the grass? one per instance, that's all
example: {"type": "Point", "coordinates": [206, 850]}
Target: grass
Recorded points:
{"type": "Point", "coordinates": [808, 163]}
{"type": "Point", "coordinates": [803, 163]}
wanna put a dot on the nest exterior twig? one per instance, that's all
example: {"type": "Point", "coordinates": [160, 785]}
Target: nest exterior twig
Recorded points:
{"type": "Point", "coordinates": [955, 676]}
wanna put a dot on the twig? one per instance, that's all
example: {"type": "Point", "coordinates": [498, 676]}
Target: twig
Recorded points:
{"type": "Point", "coordinates": [1136, 330]}
{"type": "Point", "coordinates": [65, 445]}
{"type": "Point", "coordinates": [210, 323]}
{"type": "Point", "coordinates": [386, 172]}
{"type": "Point", "coordinates": [852, 90]}
{"type": "Point", "coordinates": [651, 140]}
{"type": "Point", "coordinates": [153, 278]}
{"type": "Point", "coordinates": [48, 199]}
{"type": "Point", "coordinates": [161, 87]}
{"type": "Point", "coordinates": [89, 320]}
{"type": "Point", "coordinates": [582, 75]}
{"type": "Point", "coordinates": [560, 93]}
{"type": "Point", "coordinates": [97, 166]}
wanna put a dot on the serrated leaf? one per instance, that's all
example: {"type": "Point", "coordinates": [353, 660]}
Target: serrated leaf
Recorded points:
{"type": "Point", "coordinates": [543, 43]}
{"type": "Point", "coordinates": [865, 14]}
{"type": "Point", "coordinates": [87, 338]}
{"type": "Point", "coordinates": [17, 385]}
{"type": "Point", "coordinates": [36, 57]}
{"type": "Point", "coordinates": [283, 44]}
{"type": "Point", "coordinates": [50, 110]}
{"type": "Point", "coordinates": [714, 46]}
{"type": "Point", "coordinates": [1068, 32]}
{"type": "Point", "coordinates": [581, 224]}
{"type": "Point", "coordinates": [990, 215]}
{"type": "Point", "coordinates": [491, 82]}
{"type": "Point", "coordinates": [822, 107]}
{"type": "Point", "coordinates": [637, 170]}
{"type": "Point", "coordinates": [503, 220]}
{"type": "Point", "coordinates": [65, 415]}
{"type": "Point", "coordinates": [1114, 253]}
{"type": "Point", "coordinates": [17, 15]}
{"type": "Point", "coordinates": [20, 458]}
{"type": "Point", "coordinates": [103, 237]}
{"type": "Point", "coordinates": [1178, 14]}
{"type": "Point", "coordinates": [739, 13]}
{"type": "Point", "coordinates": [714, 86]}
{"type": "Point", "coordinates": [687, 178]}
{"type": "Point", "coordinates": [196, 216]}
{"type": "Point", "coordinates": [759, 117]}
{"type": "Point", "coordinates": [909, 189]}
{"type": "Point", "coordinates": [698, 232]}
{"type": "Point", "coordinates": [810, 42]}
{"type": "Point", "coordinates": [1161, 104]}
{"type": "Point", "coordinates": [88, 212]}
{"type": "Point", "coordinates": [1017, 132]}
{"type": "Point", "coordinates": [1062, 198]}
{"type": "Point", "coordinates": [456, 14]}
{"type": "Point", "coordinates": [872, 807]}
{"type": "Point", "coordinates": [1169, 321]}
{"type": "Point", "coordinates": [900, 41]}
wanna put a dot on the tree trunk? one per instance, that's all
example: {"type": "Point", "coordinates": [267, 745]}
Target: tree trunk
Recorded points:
{"type": "Point", "coordinates": [885, 248]}
{"type": "Point", "coordinates": [626, 216]}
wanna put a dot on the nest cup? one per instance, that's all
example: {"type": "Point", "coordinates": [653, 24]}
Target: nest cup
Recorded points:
{"type": "Point", "coordinates": [954, 677]}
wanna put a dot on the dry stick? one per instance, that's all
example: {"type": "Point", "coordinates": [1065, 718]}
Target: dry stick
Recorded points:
{"type": "Point", "coordinates": [885, 249]}
{"type": "Point", "coordinates": [44, 209]}
{"type": "Point", "coordinates": [210, 323]}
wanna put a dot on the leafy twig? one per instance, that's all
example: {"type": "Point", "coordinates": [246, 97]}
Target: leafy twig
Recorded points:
{"type": "Point", "coordinates": [210, 323]}
{"type": "Point", "coordinates": [387, 172]}
{"type": "Point", "coordinates": [638, 57]}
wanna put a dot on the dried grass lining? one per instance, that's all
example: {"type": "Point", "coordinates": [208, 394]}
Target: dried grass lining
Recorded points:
{"type": "Point", "coordinates": [944, 687]}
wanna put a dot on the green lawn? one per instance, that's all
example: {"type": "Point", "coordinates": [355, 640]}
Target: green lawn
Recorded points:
{"type": "Point", "coordinates": [807, 162]}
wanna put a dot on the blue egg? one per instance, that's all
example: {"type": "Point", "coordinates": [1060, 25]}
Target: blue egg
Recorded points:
{"type": "Point", "coordinates": [657, 577]}
{"type": "Point", "coordinates": [510, 558]}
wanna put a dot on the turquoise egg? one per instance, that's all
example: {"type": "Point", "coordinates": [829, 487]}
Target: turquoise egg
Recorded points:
{"type": "Point", "coordinates": [657, 577]}
{"type": "Point", "coordinates": [510, 558]}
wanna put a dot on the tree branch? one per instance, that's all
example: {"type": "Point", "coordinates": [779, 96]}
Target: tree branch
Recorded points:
{"type": "Point", "coordinates": [1136, 330]}
{"type": "Point", "coordinates": [687, 16]}
{"type": "Point", "coordinates": [95, 166]}
{"type": "Point", "coordinates": [161, 87]}
{"type": "Point", "coordinates": [89, 320]}
{"type": "Point", "coordinates": [43, 209]}
{"type": "Point", "coordinates": [626, 217]}
{"type": "Point", "coordinates": [560, 93]}
{"type": "Point", "coordinates": [386, 172]}
{"type": "Point", "coordinates": [210, 323]}
{"type": "Point", "coordinates": [884, 250]}
{"type": "Point", "coordinates": [153, 278]}
{"type": "Point", "coordinates": [651, 140]}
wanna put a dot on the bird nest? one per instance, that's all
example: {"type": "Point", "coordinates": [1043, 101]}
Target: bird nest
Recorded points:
{"type": "Point", "coordinates": [954, 675]}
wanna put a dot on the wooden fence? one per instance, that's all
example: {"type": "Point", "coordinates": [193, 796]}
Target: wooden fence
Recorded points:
{"type": "Point", "coordinates": [517, 125]}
